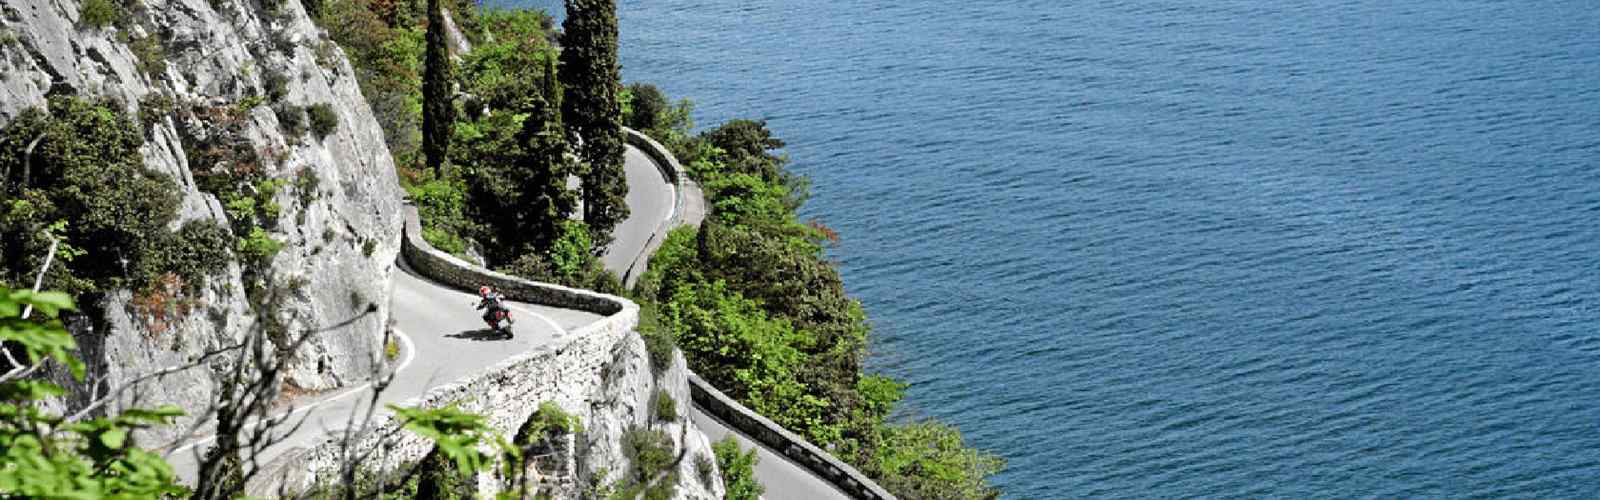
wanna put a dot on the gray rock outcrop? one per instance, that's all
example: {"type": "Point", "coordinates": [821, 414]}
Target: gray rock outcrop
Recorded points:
{"type": "Point", "coordinates": [340, 235]}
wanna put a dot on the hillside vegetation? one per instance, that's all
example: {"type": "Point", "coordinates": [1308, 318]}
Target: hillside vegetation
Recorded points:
{"type": "Point", "coordinates": [750, 297]}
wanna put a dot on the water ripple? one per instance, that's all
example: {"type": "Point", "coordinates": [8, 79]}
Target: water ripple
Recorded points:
{"type": "Point", "coordinates": [1193, 248]}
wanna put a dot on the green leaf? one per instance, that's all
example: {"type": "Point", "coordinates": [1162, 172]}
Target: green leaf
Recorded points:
{"type": "Point", "coordinates": [114, 438]}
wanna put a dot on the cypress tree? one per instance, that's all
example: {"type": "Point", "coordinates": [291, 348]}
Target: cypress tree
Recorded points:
{"type": "Point", "coordinates": [590, 107]}
{"type": "Point", "coordinates": [438, 112]}
{"type": "Point", "coordinates": [543, 177]}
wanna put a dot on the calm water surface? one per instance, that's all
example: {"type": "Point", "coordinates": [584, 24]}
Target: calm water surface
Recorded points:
{"type": "Point", "coordinates": [1208, 248]}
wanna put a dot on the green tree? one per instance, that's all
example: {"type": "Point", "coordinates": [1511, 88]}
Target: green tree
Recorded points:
{"type": "Point", "coordinates": [650, 106]}
{"type": "Point", "coordinates": [738, 470]}
{"type": "Point", "coordinates": [75, 171]}
{"type": "Point", "coordinates": [44, 454]}
{"type": "Point", "coordinates": [593, 112]}
{"type": "Point", "coordinates": [438, 102]}
{"type": "Point", "coordinates": [544, 170]}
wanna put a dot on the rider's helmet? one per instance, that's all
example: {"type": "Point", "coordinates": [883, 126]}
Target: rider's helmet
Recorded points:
{"type": "Point", "coordinates": [483, 291]}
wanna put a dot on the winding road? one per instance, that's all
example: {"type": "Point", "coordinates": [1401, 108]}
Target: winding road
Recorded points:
{"type": "Point", "coordinates": [442, 340]}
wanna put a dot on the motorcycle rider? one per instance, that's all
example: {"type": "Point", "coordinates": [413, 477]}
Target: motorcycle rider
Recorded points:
{"type": "Point", "coordinates": [492, 301]}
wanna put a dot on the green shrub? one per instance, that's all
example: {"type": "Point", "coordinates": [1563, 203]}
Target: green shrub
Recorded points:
{"type": "Point", "coordinates": [649, 105]}
{"type": "Point", "coordinates": [441, 204]}
{"type": "Point", "coordinates": [704, 466]}
{"type": "Point", "coordinates": [546, 422]}
{"type": "Point", "coordinates": [306, 183]}
{"type": "Point", "coordinates": [98, 13]}
{"type": "Point", "coordinates": [928, 460]}
{"type": "Point", "coordinates": [368, 246]}
{"type": "Point", "coordinates": [248, 103]}
{"type": "Point", "coordinates": [154, 107]}
{"type": "Point", "coordinates": [291, 119]}
{"type": "Point", "coordinates": [258, 247]}
{"type": "Point", "coordinates": [151, 54]}
{"type": "Point", "coordinates": [659, 340]}
{"type": "Point", "coordinates": [666, 407]}
{"type": "Point", "coordinates": [276, 84]}
{"type": "Point", "coordinates": [650, 458]}
{"type": "Point", "coordinates": [323, 120]}
{"type": "Point", "coordinates": [738, 470]}
{"type": "Point", "coordinates": [200, 250]}
{"type": "Point", "coordinates": [86, 184]}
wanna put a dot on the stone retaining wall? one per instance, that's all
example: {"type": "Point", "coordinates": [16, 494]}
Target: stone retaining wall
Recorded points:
{"type": "Point", "coordinates": [600, 372]}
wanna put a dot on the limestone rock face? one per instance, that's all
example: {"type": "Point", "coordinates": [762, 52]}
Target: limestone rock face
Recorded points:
{"type": "Point", "coordinates": [239, 60]}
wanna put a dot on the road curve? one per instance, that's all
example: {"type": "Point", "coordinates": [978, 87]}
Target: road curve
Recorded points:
{"type": "Point", "coordinates": [650, 201]}
{"type": "Point", "coordinates": [444, 340]}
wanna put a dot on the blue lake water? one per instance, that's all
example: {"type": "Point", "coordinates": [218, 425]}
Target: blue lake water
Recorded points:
{"type": "Point", "coordinates": [1211, 248]}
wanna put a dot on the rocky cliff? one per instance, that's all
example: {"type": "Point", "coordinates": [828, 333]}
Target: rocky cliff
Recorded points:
{"type": "Point", "coordinates": [227, 86]}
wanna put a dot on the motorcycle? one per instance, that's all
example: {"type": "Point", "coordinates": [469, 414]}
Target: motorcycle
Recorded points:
{"type": "Point", "coordinates": [501, 323]}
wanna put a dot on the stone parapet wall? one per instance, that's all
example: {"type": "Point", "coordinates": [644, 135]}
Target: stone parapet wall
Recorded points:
{"type": "Point", "coordinates": [451, 271]}
{"type": "Point", "coordinates": [688, 206]}
{"type": "Point", "coordinates": [600, 372]}
{"type": "Point", "coordinates": [792, 446]}
{"type": "Point", "coordinates": [690, 209]}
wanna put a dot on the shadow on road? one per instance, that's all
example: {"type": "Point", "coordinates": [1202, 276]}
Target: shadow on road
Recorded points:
{"type": "Point", "coordinates": [479, 335]}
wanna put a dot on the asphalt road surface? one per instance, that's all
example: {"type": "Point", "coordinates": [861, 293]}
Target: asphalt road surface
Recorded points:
{"type": "Point", "coordinates": [650, 201]}
{"type": "Point", "coordinates": [442, 339]}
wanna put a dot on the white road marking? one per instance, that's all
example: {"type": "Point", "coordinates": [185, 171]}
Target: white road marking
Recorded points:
{"type": "Point", "coordinates": [562, 332]}
{"type": "Point", "coordinates": [411, 355]}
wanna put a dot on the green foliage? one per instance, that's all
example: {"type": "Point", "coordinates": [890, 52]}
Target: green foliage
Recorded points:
{"type": "Point", "coordinates": [761, 314]}
{"type": "Point", "coordinates": [154, 107]}
{"type": "Point", "coordinates": [198, 251]}
{"type": "Point", "coordinates": [659, 341]}
{"type": "Point", "coordinates": [44, 455]}
{"type": "Point", "coordinates": [649, 107]}
{"type": "Point", "coordinates": [651, 471]}
{"type": "Point", "coordinates": [306, 183]}
{"type": "Point", "coordinates": [928, 460]}
{"type": "Point", "coordinates": [85, 183]}
{"type": "Point", "coordinates": [509, 64]}
{"type": "Point", "coordinates": [98, 13]}
{"type": "Point", "coordinates": [442, 205]}
{"type": "Point", "coordinates": [518, 188]}
{"type": "Point", "coordinates": [570, 251]}
{"type": "Point", "coordinates": [592, 111]}
{"type": "Point", "coordinates": [666, 407]}
{"type": "Point", "coordinates": [291, 119]}
{"type": "Point", "coordinates": [276, 84]}
{"type": "Point", "coordinates": [547, 422]}
{"type": "Point", "coordinates": [750, 355]}
{"type": "Point", "coordinates": [248, 103]}
{"type": "Point", "coordinates": [323, 119]}
{"type": "Point", "coordinates": [438, 99]}
{"type": "Point", "coordinates": [457, 435]}
{"type": "Point", "coordinates": [151, 54]}
{"type": "Point", "coordinates": [738, 470]}
{"type": "Point", "coordinates": [386, 45]}
{"type": "Point", "coordinates": [258, 247]}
